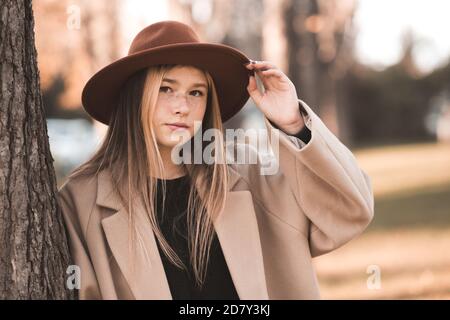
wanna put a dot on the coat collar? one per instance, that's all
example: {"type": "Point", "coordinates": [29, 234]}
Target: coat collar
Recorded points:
{"type": "Point", "coordinates": [236, 228]}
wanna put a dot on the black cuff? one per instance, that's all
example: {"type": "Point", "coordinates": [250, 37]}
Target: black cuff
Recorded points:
{"type": "Point", "coordinates": [304, 134]}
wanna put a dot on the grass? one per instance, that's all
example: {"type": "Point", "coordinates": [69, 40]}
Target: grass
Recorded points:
{"type": "Point", "coordinates": [409, 238]}
{"type": "Point", "coordinates": [406, 168]}
{"type": "Point", "coordinates": [422, 208]}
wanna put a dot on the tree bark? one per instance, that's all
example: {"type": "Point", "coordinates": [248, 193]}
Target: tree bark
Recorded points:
{"type": "Point", "coordinates": [34, 253]}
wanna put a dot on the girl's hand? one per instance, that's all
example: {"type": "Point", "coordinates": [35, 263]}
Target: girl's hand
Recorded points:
{"type": "Point", "coordinates": [279, 101]}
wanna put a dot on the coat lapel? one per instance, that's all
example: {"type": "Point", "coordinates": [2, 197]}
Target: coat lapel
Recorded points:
{"type": "Point", "coordinates": [236, 228]}
{"type": "Point", "coordinates": [144, 271]}
{"type": "Point", "coordinates": [238, 234]}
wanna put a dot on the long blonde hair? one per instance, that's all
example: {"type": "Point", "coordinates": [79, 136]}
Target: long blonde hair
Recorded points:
{"type": "Point", "coordinates": [129, 133]}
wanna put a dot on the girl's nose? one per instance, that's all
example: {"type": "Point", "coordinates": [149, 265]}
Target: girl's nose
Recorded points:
{"type": "Point", "coordinates": [181, 105]}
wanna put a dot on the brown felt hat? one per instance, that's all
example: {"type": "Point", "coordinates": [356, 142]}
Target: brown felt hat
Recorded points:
{"type": "Point", "coordinates": [170, 42]}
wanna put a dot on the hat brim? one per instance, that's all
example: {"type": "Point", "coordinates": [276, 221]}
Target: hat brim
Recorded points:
{"type": "Point", "coordinates": [225, 64]}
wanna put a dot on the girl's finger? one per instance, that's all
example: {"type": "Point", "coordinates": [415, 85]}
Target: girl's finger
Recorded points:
{"type": "Point", "coordinates": [278, 76]}
{"type": "Point", "coordinates": [258, 65]}
{"type": "Point", "coordinates": [263, 79]}
{"type": "Point", "coordinates": [253, 90]}
{"type": "Point", "coordinates": [272, 72]}
{"type": "Point", "coordinates": [264, 65]}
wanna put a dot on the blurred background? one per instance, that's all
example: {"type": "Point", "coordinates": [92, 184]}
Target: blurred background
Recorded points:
{"type": "Point", "coordinates": [376, 72]}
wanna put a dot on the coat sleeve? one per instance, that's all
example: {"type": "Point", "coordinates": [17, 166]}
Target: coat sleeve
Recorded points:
{"type": "Point", "coordinates": [329, 187]}
{"type": "Point", "coordinates": [89, 288]}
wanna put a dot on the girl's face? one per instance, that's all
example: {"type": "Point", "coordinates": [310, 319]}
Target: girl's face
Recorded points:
{"type": "Point", "coordinates": [181, 101]}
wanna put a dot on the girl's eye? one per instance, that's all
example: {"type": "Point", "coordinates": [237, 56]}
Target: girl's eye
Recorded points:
{"type": "Point", "coordinates": [199, 93]}
{"type": "Point", "coordinates": [164, 89]}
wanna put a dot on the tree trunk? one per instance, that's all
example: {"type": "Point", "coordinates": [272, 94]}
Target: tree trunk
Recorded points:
{"type": "Point", "coordinates": [319, 54]}
{"type": "Point", "coordinates": [34, 253]}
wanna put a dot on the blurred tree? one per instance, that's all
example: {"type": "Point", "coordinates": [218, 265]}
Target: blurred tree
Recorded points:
{"type": "Point", "coordinates": [319, 53]}
{"type": "Point", "coordinates": [74, 40]}
{"type": "Point", "coordinates": [34, 253]}
{"type": "Point", "coordinates": [390, 106]}
{"type": "Point", "coordinates": [231, 22]}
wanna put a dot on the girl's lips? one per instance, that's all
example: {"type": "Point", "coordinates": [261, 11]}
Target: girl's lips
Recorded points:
{"type": "Point", "coordinates": [175, 127]}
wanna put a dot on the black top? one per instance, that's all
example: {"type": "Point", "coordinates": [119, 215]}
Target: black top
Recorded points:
{"type": "Point", "coordinates": [218, 283]}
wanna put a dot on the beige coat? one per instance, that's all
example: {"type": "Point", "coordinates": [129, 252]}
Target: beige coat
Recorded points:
{"type": "Point", "coordinates": [271, 226]}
